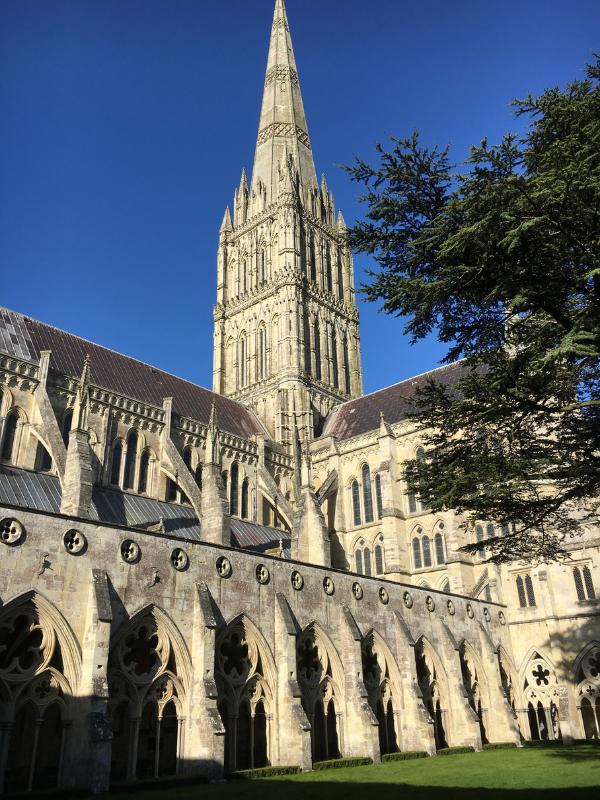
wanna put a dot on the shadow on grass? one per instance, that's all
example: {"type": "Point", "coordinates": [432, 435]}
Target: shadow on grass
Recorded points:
{"type": "Point", "coordinates": [333, 790]}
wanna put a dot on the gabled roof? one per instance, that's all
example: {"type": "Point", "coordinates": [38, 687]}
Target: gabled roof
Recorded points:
{"type": "Point", "coordinates": [363, 414]}
{"type": "Point", "coordinates": [25, 338]}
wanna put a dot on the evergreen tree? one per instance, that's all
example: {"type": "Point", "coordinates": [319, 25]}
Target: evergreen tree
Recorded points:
{"type": "Point", "coordinates": [501, 256]}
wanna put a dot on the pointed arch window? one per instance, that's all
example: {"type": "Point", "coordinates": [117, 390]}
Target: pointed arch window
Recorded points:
{"type": "Point", "coordinates": [367, 493]}
{"type": "Point", "coordinates": [130, 459]}
{"type": "Point", "coordinates": [525, 591]}
{"type": "Point", "coordinates": [426, 544]}
{"type": "Point", "coordinates": [263, 266]}
{"type": "Point", "coordinates": [416, 547]}
{"type": "Point", "coordinates": [378, 496]}
{"type": "Point", "coordinates": [318, 371]}
{"type": "Point", "coordinates": [521, 592]}
{"type": "Point", "coordinates": [115, 468]}
{"type": "Point", "coordinates": [245, 498]}
{"type": "Point", "coordinates": [244, 280]}
{"type": "Point", "coordinates": [359, 561]}
{"type": "Point", "coordinates": [529, 591]}
{"type": "Point", "coordinates": [367, 560]}
{"type": "Point", "coordinates": [584, 585]}
{"type": "Point", "coordinates": [144, 468]}
{"type": "Point", "coordinates": [233, 489]}
{"type": "Point", "coordinates": [198, 475]}
{"type": "Point", "coordinates": [440, 556]}
{"type": "Point", "coordinates": [356, 503]}
{"type": "Point", "coordinates": [43, 459]}
{"type": "Point", "coordinates": [328, 268]}
{"type": "Point", "coordinates": [262, 353]}
{"type": "Point", "coordinates": [340, 276]}
{"type": "Point", "coordinates": [66, 426]}
{"type": "Point", "coordinates": [346, 366]}
{"type": "Point", "coordinates": [378, 552]}
{"type": "Point", "coordinates": [10, 436]}
{"type": "Point", "coordinates": [243, 361]}
{"type": "Point", "coordinates": [334, 361]}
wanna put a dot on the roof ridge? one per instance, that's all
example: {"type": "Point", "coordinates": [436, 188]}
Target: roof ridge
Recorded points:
{"type": "Point", "coordinates": [405, 380]}
{"type": "Point", "coordinates": [124, 355]}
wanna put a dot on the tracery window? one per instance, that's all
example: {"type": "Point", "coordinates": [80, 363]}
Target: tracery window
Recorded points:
{"type": "Point", "coordinates": [525, 591]}
{"type": "Point", "coordinates": [473, 687]}
{"type": "Point", "coordinates": [245, 697]}
{"type": "Point", "coordinates": [381, 694]}
{"type": "Point", "coordinates": [37, 673]}
{"type": "Point", "coordinates": [587, 677]}
{"type": "Point", "coordinates": [434, 690]}
{"type": "Point", "coordinates": [584, 586]}
{"type": "Point", "coordinates": [541, 694]}
{"type": "Point", "coordinates": [320, 685]}
{"type": "Point", "coordinates": [148, 678]}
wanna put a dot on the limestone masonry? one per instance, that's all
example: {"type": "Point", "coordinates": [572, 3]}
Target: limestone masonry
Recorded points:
{"type": "Point", "coordinates": [194, 582]}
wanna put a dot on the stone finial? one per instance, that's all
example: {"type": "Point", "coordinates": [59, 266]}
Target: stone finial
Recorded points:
{"type": "Point", "coordinates": [341, 222]}
{"type": "Point", "coordinates": [227, 224]}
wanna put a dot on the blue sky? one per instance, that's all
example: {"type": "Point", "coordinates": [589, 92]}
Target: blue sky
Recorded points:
{"type": "Point", "coordinates": [125, 125]}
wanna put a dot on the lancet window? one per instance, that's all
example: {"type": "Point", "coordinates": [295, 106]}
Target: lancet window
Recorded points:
{"type": "Point", "coordinates": [9, 438]}
{"type": "Point", "coordinates": [584, 586]}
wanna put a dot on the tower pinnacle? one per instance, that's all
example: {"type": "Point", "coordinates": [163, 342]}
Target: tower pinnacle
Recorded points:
{"type": "Point", "coordinates": [282, 123]}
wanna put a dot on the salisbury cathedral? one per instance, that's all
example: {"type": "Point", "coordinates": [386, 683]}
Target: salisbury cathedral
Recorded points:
{"type": "Point", "coordinates": [195, 582]}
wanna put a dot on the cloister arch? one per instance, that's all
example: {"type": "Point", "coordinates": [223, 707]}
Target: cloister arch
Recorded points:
{"type": "Point", "coordinates": [246, 681]}
{"type": "Point", "coordinates": [433, 683]}
{"type": "Point", "coordinates": [476, 686]}
{"type": "Point", "coordinates": [149, 678]}
{"type": "Point", "coordinates": [382, 682]}
{"type": "Point", "coordinates": [540, 697]}
{"type": "Point", "coordinates": [40, 669]}
{"type": "Point", "coordinates": [320, 675]}
{"type": "Point", "coordinates": [586, 675]}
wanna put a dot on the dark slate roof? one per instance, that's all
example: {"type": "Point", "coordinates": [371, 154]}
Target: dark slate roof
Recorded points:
{"type": "Point", "coordinates": [25, 338]}
{"type": "Point", "coordinates": [363, 414]}
{"type": "Point", "coordinates": [41, 492]}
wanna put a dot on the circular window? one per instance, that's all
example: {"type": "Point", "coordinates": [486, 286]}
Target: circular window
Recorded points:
{"type": "Point", "coordinates": [262, 574]}
{"type": "Point", "coordinates": [130, 551]}
{"type": "Point", "coordinates": [357, 591]}
{"type": "Point", "coordinates": [11, 531]}
{"type": "Point", "coordinates": [224, 567]}
{"type": "Point", "coordinates": [297, 580]}
{"type": "Point", "coordinates": [180, 559]}
{"type": "Point", "coordinates": [74, 542]}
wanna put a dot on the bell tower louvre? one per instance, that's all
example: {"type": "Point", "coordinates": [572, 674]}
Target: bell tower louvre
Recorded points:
{"type": "Point", "coordinates": [286, 327]}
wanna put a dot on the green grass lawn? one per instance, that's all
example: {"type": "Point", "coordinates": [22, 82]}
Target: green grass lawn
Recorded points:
{"type": "Point", "coordinates": [529, 773]}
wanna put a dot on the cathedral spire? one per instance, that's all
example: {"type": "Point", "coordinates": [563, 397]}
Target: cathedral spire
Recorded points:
{"type": "Point", "coordinates": [282, 120]}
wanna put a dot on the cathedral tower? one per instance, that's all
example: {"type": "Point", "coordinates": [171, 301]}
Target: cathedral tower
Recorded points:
{"type": "Point", "coordinates": [286, 334]}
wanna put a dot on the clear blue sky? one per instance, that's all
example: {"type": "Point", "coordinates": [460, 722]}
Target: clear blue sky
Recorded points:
{"type": "Point", "coordinates": [125, 125]}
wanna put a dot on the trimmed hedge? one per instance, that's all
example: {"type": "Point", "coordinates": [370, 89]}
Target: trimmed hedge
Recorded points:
{"type": "Point", "coordinates": [499, 745]}
{"type": "Point", "coordinates": [542, 743]}
{"type": "Point", "coordinates": [337, 763]}
{"type": "Point", "coordinates": [451, 751]}
{"type": "Point", "coordinates": [407, 755]}
{"type": "Point", "coordinates": [262, 772]}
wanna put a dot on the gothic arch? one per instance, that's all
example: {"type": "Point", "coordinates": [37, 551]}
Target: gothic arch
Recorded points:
{"type": "Point", "coordinates": [433, 682]}
{"type": "Point", "coordinates": [540, 697]}
{"type": "Point", "coordinates": [586, 677]}
{"type": "Point", "coordinates": [321, 680]}
{"type": "Point", "coordinates": [475, 684]}
{"type": "Point", "coordinates": [149, 677]}
{"type": "Point", "coordinates": [40, 670]}
{"type": "Point", "coordinates": [383, 683]}
{"type": "Point", "coordinates": [246, 679]}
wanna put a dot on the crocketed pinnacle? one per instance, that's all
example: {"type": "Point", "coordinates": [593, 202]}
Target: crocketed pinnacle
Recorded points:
{"type": "Point", "coordinates": [282, 120]}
